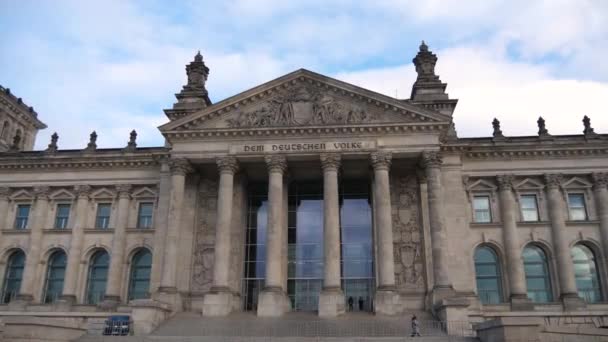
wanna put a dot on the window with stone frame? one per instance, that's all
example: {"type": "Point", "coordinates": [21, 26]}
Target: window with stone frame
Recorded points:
{"type": "Point", "coordinates": [529, 208]}
{"type": "Point", "coordinates": [482, 212]}
{"type": "Point", "coordinates": [62, 215]}
{"type": "Point", "coordinates": [22, 216]}
{"type": "Point", "coordinates": [144, 215]}
{"type": "Point", "coordinates": [102, 219]}
{"type": "Point", "coordinates": [577, 208]}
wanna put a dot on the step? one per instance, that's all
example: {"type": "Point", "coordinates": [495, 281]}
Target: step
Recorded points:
{"type": "Point", "coordinates": [272, 339]}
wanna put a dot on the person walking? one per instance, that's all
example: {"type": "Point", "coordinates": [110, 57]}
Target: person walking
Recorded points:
{"type": "Point", "coordinates": [415, 327]}
{"type": "Point", "coordinates": [350, 303]}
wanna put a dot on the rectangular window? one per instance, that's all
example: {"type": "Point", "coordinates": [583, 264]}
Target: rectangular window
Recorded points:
{"type": "Point", "coordinates": [23, 213]}
{"type": "Point", "coordinates": [62, 216]}
{"type": "Point", "coordinates": [481, 208]}
{"type": "Point", "coordinates": [576, 205]}
{"type": "Point", "coordinates": [102, 220]}
{"type": "Point", "coordinates": [529, 208]}
{"type": "Point", "coordinates": [144, 216]}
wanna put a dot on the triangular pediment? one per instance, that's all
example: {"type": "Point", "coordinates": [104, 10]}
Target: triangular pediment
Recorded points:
{"type": "Point", "coordinates": [529, 184]}
{"type": "Point", "coordinates": [144, 192]}
{"type": "Point", "coordinates": [576, 183]}
{"type": "Point", "coordinates": [305, 99]}
{"type": "Point", "coordinates": [481, 185]}
{"type": "Point", "coordinates": [103, 193]}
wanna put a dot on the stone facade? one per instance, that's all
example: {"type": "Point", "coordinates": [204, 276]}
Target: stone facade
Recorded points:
{"type": "Point", "coordinates": [189, 206]}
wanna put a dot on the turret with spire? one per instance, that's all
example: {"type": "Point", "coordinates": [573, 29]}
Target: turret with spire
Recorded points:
{"type": "Point", "coordinates": [194, 95]}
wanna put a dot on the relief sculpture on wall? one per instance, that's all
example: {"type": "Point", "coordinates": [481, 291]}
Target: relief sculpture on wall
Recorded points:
{"type": "Point", "coordinates": [407, 233]}
{"type": "Point", "coordinates": [202, 275]}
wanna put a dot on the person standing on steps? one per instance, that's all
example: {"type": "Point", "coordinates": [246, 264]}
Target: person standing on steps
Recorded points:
{"type": "Point", "coordinates": [350, 303]}
{"type": "Point", "coordinates": [360, 303]}
{"type": "Point", "coordinates": [415, 327]}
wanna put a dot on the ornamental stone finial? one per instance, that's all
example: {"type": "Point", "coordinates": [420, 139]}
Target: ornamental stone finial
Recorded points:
{"type": "Point", "coordinates": [381, 160]}
{"type": "Point", "coordinates": [497, 132]}
{"type": "Point", "coordinates": [132, 144]}
{"type": "Point", "coordinates": [431, 159]}
{"type": "Point", "coordinates": [180, 166]}
{"type": "Point", "coordinates": [16, 142]}
{"type": "Point", "coordinates": [92, 146]}
{"type": "Point", "coordinates": [505, 182]}
{"type": "Point", "coordinates": [276, 163]}
{"type": "Point", "coordinates": [42, 192]}
{"type": "Point", "coordinates": [52, 148]}
{"type": "Point", "coordinates": [587, 124]}
{"type": "Point", "coordinates": [227, 164]}
{"type": "Point", "coordinates": [542, 130]}
{"type": "Point", "coordinates": [123, 190]}
{"type": "Point", "coordinates": [330, 161]}
{"type": "Point", "coordinates": [553, 180]}
{"type": "Point", "coordinates": [600, 180]}
{"type": "Point", "coordinates": [82, 190]}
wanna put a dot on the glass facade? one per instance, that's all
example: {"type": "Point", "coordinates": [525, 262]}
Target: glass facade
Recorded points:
{"type": "Point", "coordinates": [139, 278]}
{"type": "Point", "coordinates": [586, 274]}
{"type": "Point", "coordinates": [255, 245]}
{"type": "Point", "coordinates": [13, 276]}
{"type": "Point", "coordinates": [488, 276]}
{"type": "Point", "coordinates": [102, 220]}
{"type": "Point", "coordinates": [54, 276]}
{"type": "Point", "coordinates": [62, 216]}
{"type": "Point", "coordinates": [538, 279]}
{"type": "Point", "coordinates": [97, 277]}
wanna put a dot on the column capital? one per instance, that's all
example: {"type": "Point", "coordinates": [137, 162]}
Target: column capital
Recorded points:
{"type": "Point", "coordinates": [600, 180]}
{"type": "Point", "coordinates": [227, 164]}
{"type": "Point", "coordinates": [123, 190]}
{"type": "Point", "coordinates": [330, 161]}
{"type": "Point", "coordinates": [431, 159]}
{"type": "Point", "coordinates": [42, 192]}
{"type": "Point", "coordinates": [82, 191]}
{"type": "Point", "coordinates": [553, 180]}
{"type": "Point", "coordinates": [276, 163]}
{"type": "Point", "coordinates": [180, 166]}
{"type": "Point", "coordinates": [381, 160]}
{"type": "Point", "coordinates": [4, 192]}
{"type": "Point", "coordinates": [505, 182]}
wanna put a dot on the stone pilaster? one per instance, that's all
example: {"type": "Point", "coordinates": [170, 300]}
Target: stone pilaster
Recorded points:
{"type": "Point", "coordinates": [4, 192]}
{"type": "Point", "coordinates": [273, 299]}
{"type": "Point", "coordinates": [509, 213]}
{"type": "Point", "coordinates": [565, 267]}
{"type": "Point", "coordinates": [180, 167]}
{"type": "Point", "coordinates": [387, 298]}
{"type": "Point", "coordinates": [161, 217]}
{"type": "Point", "coordinates": [600, 190]}
{"type": "Point", "coordinates": [41, 208]}
{"type": "Point", "coordinates": [431, 162]}
{"type": "Point", "coordinates": [220, 300]}
{"type": "Point", "coordinates": [74, 254]}
{"type": "Point", "coordinates": [117, 262]}
{"type": "Point", "coordinates": [331, 299]}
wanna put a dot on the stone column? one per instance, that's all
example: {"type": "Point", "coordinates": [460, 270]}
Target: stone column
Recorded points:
{"type": "Point", "coordinates": [4, 192]}
{"type": "Point", "coordinates": [331, 300]}
{"type": "Point", "coordinates": [220, 301]}
{"type": "Point", "coordinates": [273, 299]}
{"type": "Point", "coordinates": [431, 162]}
{"type": "Point", "coordinates": [600, 189]}
{"type": "Point", "coordinates": [387, 298]}
{"type": "Point", "coordinates": [515, 271]}
{"type": "Point", "coordinates": [74, 254]}
{"type": "Point", "coordinates": [41, 208]}
{"type": "Point", "coordinates": [160, 225]}
{"type": "Point", "coordinates": [565, 267]}
{"type": "Point", "coordinates": [115, 276]}
{"type": "Point", "coordinates": [180, 167]}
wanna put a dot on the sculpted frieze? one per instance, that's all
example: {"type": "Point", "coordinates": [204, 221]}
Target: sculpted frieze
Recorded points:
{"type": "Point", "coordinates": [202, 270]}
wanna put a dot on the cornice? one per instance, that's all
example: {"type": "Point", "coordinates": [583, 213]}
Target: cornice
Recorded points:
{"type": "Point", "coordinates": [84, 162]}
{"type": "Point", "coordinates": [20, 109]}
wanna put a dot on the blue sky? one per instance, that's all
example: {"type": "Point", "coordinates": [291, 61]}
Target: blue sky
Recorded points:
{"type": "Point", "coordinates": [113, 65]}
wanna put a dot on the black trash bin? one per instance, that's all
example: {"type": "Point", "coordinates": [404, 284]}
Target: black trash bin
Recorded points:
{"type": "Point", "coordinates": [117, 325]}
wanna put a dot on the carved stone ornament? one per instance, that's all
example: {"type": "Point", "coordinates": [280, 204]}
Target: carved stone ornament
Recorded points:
{"type": "Point", "coordinates": [83, 191]}
{"type": "Point", "coordinates": [204, 246]}
{"type": "Point", "coordinates": [227, 164]}
{"type": "Point", "coordinates": [303, 105]}
{"type": "Point", "coordinates": [42, 192]}
{"type": "Point", "coordinates": [276, 163]}
{"type": "Point", "coordinates": [431, 159]}
{"type": "Point", "coordinates": [4, 192]}
{"type": "Point", "coordinates": [505, 182]}
{"type": "Point", "coordinates": [552, 180]}
{"type": "Point", "coordinates": [180, 166]}
{"type": "Point", "coordinates": [600, 180]}
{"type": "Point", "coordinates": [123, 190]}
{"type": "Point", "coordinates": [330, 161]}
{"type": "Point", "coordinates": [381, 160]}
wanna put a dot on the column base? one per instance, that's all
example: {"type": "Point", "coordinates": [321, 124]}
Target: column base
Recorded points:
{"type": "Point", "coordinates": [441, 292]}
{"type": "Point", "coordinates": [109, 303]}
{"type": "Point", "coordinates": [331, 302]}
{"type": "Point", "coordinates": [170, 296]}
{"type": "Point", "coordinates": [273, 302]}
{"type": "Point", "coordinates": [65, 303]}
{"type": "Point", "coordinates": [218, 303]}
{"type": "Point", "coordinates": [571, 301]}
{"type": "Point", "coordinates": [20, 302]}
{"type": "Point", "coordinates": [521, 302]}
{"type": "Point", "coordinates": [387, 301]}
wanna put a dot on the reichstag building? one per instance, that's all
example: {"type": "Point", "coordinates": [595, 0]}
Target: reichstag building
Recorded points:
{"type": "Point", "coordinates": [306, 194]}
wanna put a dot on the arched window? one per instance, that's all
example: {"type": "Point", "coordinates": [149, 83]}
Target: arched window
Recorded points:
{"type": "Point", "coordinates": [13, 276]}
{"type": "Point", "coordinates": [55, 274]}
{"type": "Point", "coordinates": [487, 274]}
{"type": "Point", "coordinates": [586, 273]}
{"type": "Point", "coordinates": [139, 278]}
{"type": "Point", "coordinates": [98, 277]}
{"type": "Point", "coordinates": [538, 279]}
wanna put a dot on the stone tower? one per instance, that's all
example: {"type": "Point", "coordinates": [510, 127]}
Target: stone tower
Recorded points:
{"type": "Point", "coordinates": [19, 123]}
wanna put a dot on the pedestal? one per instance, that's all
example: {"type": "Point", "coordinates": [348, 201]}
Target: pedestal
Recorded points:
{"type": "Point", "coordinates": [65, 303]}
{"type": "Point", "coordinates": [510, 329]}
{"type": "Point", "coordinates": [573, 302]}
{"type": "Point", "coordinates": [218, 303]}
{"type": "Point", "coordinates": [440, 293]}
{"type": "Point", "coordinates": [273, 303]}
{"type": "Point", "coordinates": [386, 302]}
{"type": "Point", "coordinates": [331, 303]}
{"type": "Point", "coordinates": [109, 303]}
{"type": "Point", "coordinates": [521, 303]}
{"type": "Point", "coordinates": [169, 296]}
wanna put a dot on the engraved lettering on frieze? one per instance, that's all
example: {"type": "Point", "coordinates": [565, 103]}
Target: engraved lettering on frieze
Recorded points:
{"type": "Point", "coordinates": [407, 234]}
{"type": "Point", "coordinates": [202, 275]}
